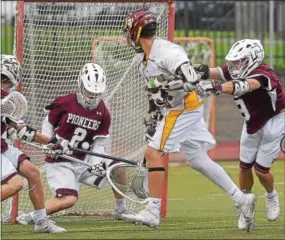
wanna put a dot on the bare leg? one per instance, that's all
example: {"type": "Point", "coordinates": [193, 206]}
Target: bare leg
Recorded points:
{"type": "Point", "coordinates": [267, 180]}
{"type": "Point", "coordinates": [246, 179]}
{"type": "Point", "coordinates": [36, 190]}
{"type": "Point", "coordinates": [55, 204]}
{"type": "Point", "coordinates": [11, 187]}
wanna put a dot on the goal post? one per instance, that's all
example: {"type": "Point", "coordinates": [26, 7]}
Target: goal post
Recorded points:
{"type": "Point", "coordinates": [53, 42]}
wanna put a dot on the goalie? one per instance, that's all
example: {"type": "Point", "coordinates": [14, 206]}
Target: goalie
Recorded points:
{"type": "Point", "coordinates": [258, 94]}
{"type": "Point", "coordinates": [84, 120]}
{"type": "Point", "coordinates": [14, 161]}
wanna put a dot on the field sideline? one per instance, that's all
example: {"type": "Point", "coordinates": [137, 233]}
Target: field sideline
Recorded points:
{"type": "Point", "coordinates": [196, 210]}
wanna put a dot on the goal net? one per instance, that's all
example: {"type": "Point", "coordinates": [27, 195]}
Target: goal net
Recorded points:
{"type": "Point", "coordinates": [53, 41]}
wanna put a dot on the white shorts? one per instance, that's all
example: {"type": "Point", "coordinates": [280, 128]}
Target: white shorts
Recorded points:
{"type": "Point", "coordinates": [11, 160]}
{"type": "Point", "coordinates": [183, 131]}
{"type": "Point", "coordinates": [64, 178]}
{"type": "Point", "coordinates": [264, 145]}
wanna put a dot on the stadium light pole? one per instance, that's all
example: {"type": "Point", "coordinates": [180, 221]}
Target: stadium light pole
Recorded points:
{"type": "Point", "coordinates": [271, 33]}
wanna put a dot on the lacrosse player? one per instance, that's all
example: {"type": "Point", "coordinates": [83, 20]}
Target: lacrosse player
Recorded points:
{"type": "Point", "coordinates": [84, 120]}
{"type": "Point", "coordinates": [14, 161]}
{"type": "Point", "coordinates": [170, 80]}
{"type": "Point", "coordinates": [258, 94]}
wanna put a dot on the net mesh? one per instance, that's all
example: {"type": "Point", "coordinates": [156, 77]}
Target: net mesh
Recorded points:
{"type": "Point", "coordinates": [57, 43]}
{"type": "Point", "coordinates": [59, 38]}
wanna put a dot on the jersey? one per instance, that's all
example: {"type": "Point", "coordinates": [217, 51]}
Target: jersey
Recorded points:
{"type": "Point", "coordinates": [164, 59]}
{"type": "Point", "coordinates": [260, 105]}
{"type": "Point", "coordinates": [4, 145]}
{"type": "Point", "coordinates": [76, 124]}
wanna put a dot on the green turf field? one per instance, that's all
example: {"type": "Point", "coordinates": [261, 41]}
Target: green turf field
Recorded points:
{"type": "Point", "coordinates": [197, 210]}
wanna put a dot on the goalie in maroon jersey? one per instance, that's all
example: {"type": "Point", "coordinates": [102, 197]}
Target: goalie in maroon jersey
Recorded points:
{"type": "Point", "coordinates": [83, 119]}
{"type": "Point", "coordinates": [258, 94]}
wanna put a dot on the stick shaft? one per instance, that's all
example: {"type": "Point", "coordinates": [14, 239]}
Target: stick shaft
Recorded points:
{"type": "Point", "coordinates": [104, 156]}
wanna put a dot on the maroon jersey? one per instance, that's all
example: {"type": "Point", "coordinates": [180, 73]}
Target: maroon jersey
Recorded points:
{"type": "Point", "coordinates": [4, 145]}
{"type": "Point", "coordinates": [78, 125]}
{"type": "Point", "coordinates": [260, 105]}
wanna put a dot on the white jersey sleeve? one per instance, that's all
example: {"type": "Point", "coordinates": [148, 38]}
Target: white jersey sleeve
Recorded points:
{"type": "Point", "coordinates": [174, 56]}
{"type": "Point", "coordinates": [98, 146]}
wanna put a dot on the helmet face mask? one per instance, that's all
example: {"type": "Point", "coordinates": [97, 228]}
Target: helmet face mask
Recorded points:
{"type": "Point", "coordinates": [91, 85]}
{"type": "Point", "coordinates": [11, 69]}
{"type": "Point", "coordinates": [243, 57]}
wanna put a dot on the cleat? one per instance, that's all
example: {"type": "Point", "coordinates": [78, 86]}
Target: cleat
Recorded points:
{"type": "Point", "coordinates": [149, 217]}
{"type": "Point", "coordinates": [118, 216]}
{"type": "Point", "coordinates": [248, 211]}
{"type": "Point", "coordinates": [46, 226]}
{"type": "Point", "coordinates": [241, 223]}
{"type": "Point", "coordinates": [25, 219]}
{"type": "Point", "coordinates": [272, 207]}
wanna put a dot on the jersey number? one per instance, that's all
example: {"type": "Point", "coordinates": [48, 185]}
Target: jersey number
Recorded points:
{"type": "Point", "coordinates": [242, 108]}
{"type": "Point", "coordinates": [79, 136]}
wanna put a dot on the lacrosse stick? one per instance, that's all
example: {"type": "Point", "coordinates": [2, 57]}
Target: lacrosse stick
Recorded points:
{"type": "Point", "coordinates": [129, 179]}
{"type": "Point", "coordinates": [282, 144]}
{"type": "Point", "coordinates": [14, 106]}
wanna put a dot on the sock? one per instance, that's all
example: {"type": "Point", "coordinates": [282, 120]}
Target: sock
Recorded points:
{"type": "Point", "coordinates": [237, 195]}
{"type": "Point", "coordinates": [120, 205]}
{"type": "Point", "coordinates": [212, 170]}
{"type": "Point", "coordinates": [271, 194]}
{"type": "Point", "coordinates": [39, 214]}
{"type": "Point", "coordinates": [154, 203]}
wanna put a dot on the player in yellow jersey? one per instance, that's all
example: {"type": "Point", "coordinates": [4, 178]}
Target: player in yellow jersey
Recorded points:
{"type": "Point", "coordinates": [170, 80]}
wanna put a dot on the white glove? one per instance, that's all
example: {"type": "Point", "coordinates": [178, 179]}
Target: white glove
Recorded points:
{"type": "Point", "coordinates": [12, 134]}
{"type": "Point", "coordinates": [206, 87]}
{"type": "Point", "coordinates": [60, 145]}
{"type": "Point", "coordinates": [189, 87]}
{"type": "Point", "coordinates": [49, 152]}
{"type": "Point", "coordinates": [99, 169]}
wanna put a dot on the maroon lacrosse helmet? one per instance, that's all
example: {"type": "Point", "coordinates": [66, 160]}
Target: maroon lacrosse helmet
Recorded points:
{"type": "Point", "coordinates": [135, 23]}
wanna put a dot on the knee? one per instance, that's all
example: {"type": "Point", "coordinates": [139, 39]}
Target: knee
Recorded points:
{"type": "Point", "coordinates": [245, 167]}
{"type": "Point", "coordinates": [16, 184]}
{"type": "Point", "coordinates": [260, 171]}
{"type": "Point", "coordinates": [68, 201]}
{"type": "Point", "coordinates": [153, 157]}
{"type": "Point", "coordinates": [32, 173]}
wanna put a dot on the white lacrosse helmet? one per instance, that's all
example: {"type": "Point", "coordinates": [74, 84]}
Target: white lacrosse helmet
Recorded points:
{"type": "Point", "coordinates": [243, 57]}
{"type": "Point", "coordinates": [91, 85]}
{"type": "Point", "coordinates": [11, 68]}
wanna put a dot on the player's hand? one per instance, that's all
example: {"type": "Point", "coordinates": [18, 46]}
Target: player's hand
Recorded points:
{"type": "Point", "coordinates": [189, 87]}
{"type": "Point", "coordinates": [207, 87]}
{"type": "Point", "coordinates": [98, 169]}
{"type": "Point", "coordinates": [12, 134]}
{"type": "Point", "coordinates": [60, 145]}
{"type": "Point", "coordinates": [203, 70]}
{"type": "Point", "coordinates": [49, 152]}
{"type": "Point", "coordinates": [151, 124]}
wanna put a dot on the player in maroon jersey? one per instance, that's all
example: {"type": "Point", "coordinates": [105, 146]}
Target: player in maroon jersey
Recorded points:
{"type": "Point", "coordinates": [258, 94]}
{"type": "Point", "coordinates": [13, 160]}
{"type": "Point", "coordinates": [83, 119]}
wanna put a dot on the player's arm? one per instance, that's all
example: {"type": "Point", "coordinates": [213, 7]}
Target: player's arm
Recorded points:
{"type": "Point", "coordinates": [236, 87]}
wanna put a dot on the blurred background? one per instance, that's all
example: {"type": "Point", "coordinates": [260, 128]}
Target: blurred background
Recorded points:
{"type": "Point", "coordinates": [224, 22]}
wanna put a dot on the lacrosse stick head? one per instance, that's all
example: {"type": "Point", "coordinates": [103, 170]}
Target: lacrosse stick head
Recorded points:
{"type": "Point", "coordinates": [14, 106]}
{"type": "Point", "coordinates": [282, 144]}
{"type": "Point", "coordinates": [140, 183]}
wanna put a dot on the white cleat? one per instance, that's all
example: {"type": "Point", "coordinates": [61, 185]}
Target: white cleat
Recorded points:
{"type": "Point", "coordinates": [248, 210]}
{"type": "Point", "coordinates": [118, 215]}
{"type": "Point", "coordinates": [25, 219]}
{"type": "Point", "coordinates": [242, 223]}
{"type": "Point", "coordinates": [148, 216]}
{"type": "Point", "coordinates": [46, 226]}
{"type": "Point", "coordinates": [272, 207]}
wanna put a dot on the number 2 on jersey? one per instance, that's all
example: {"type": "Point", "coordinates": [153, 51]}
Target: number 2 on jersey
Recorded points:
{"type": "Point", "coordinates": [242, 108]}
{"type": "Point", "coordinates": [79, 136]}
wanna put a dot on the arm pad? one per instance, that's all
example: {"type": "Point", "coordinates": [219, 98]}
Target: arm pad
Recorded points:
{"type": "Point", "coordinates": [27, 133]}
{"type": "Point", "coordinates": [240, 87]}
{"type": "Point", "coordinates": [187, 73]}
